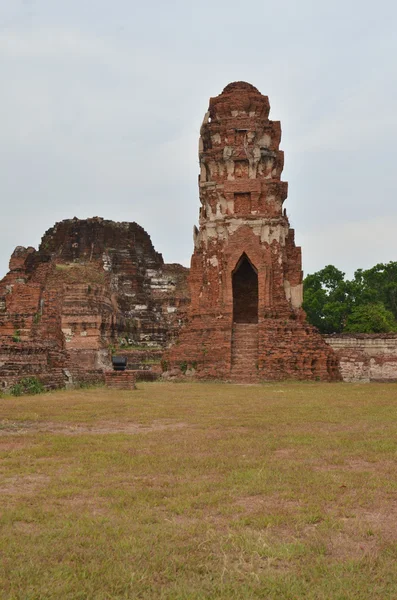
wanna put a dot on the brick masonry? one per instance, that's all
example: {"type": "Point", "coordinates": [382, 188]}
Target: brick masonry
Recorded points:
{"type": "Point", "coordinates": [120, 380]}
{"type": "Point", "coordinates": [245, 320]}
{"type": "Point", "coordinates": [93, 284]}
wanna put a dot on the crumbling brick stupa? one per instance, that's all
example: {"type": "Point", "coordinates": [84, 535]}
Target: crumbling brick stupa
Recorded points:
{"type": "Point", "coordinates": [92, 287]}
{"type": "Point", "coordinates": [245, 320]}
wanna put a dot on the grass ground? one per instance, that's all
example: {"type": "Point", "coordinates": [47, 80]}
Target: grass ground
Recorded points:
{"type": "Point", "coordinates": [200, 491]}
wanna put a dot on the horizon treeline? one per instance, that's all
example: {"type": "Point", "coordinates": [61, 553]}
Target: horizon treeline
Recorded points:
{"type": "Point", "coordinates": [365, 304]}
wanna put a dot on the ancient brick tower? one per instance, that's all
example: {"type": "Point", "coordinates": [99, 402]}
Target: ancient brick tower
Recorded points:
{"type": "Point", "coordinates": [246, 322]}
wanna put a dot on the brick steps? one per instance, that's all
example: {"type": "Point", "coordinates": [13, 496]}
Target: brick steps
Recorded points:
{"type": "Point", "coordinates": [244, 353]}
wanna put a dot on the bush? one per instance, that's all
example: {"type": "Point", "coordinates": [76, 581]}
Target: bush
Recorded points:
{"type": "Point", "coordinates": [27, 385]}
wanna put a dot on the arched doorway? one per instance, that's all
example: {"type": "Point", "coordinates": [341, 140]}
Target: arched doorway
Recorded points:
{"type": "Point", "coordinates": [245, 291]}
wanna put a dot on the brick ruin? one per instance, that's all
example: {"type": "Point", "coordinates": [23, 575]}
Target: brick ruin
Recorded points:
{"type": "Point", "coordinates": [365, 357]}
{"type": "Point", "coordinates": [245, 319]}
{"type": "Point", "coordinates": [92, 287]}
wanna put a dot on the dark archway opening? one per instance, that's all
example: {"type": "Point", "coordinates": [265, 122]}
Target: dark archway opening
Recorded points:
{"type": "Point", "coordinates": [245, 292]}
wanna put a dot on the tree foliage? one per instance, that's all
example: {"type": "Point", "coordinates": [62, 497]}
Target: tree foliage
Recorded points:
{"type": "Point", "coordinates": [370, 318]}
{"type": "Point", "coordinates": [365, 304]}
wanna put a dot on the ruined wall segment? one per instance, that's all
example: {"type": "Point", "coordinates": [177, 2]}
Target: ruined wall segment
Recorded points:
{"type": "Point", "coordinates": [245, 255]}
{"type": "Point", "coordinates": [365, 357]}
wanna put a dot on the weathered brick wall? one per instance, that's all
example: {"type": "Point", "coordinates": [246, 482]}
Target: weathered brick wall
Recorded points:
{"type": "Point", "coordinates": [366, 357]}
{"type": "Point", "coordinates": [29, 359]}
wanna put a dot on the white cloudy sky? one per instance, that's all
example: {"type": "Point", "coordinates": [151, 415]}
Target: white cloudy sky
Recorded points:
{"type": "Point", "coordinates": [102, 100]}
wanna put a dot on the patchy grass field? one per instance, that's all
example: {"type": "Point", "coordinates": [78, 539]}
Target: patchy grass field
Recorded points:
{"type": "Point", "coordinates": [200, 491]}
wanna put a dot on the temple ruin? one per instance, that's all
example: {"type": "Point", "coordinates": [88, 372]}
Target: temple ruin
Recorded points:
{"type": "Point", "coordinates": [245, 319]}
{"type": "Point", "coordinates": [95, 287]}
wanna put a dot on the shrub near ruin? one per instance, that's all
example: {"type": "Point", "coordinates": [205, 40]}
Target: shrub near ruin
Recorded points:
{"type": "Point", "coordinates": [27, 385]}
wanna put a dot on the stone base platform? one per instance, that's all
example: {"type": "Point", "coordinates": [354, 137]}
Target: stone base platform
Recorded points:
{"type": "Point", "coordinates": [120, 380]}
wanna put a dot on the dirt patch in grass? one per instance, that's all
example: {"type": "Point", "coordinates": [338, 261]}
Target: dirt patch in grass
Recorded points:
{"type": "Point", "coordinates": [285, 453]}
{"type": "Point", "coordinates": [100, 428]}
{"type": "Point", "coordinates": [26, 527]}
{"type": "Point", "coordinates": [345, 547]}
{"type": "Point", "coordinates": [94, 505]}
{"type": "Point", "coordinates": [380, 522]}
{"type": "Point", "coordinates": [365, 534]}
{"type": "Point", "coordinates": [267, 504]}
{"type": "Point", "coordinates": [183, 520]}
{"type": "Point", "coordinates": [358, 464]}
{"type": "Point", "coordinates": [23, 484]}
{"type": "Point", "coordinates": [11, 443]}
{"type": "Point", "coordinates": [8, 427]}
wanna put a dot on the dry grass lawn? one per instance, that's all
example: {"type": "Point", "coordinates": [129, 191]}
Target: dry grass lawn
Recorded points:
{"type": "Point", "coordinates": [200, 491]}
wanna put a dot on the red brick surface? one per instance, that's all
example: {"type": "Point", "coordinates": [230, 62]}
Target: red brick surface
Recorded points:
{"type": "Point", "coordinates": [121, 380]}
{"type": "Point", "coordinates": [242, 218]}
{"type": "Point", "coordinates": [91, 286]}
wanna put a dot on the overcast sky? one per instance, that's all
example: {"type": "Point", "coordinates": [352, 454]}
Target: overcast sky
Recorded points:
{"type": "Point", "coordinates": [102, 100]}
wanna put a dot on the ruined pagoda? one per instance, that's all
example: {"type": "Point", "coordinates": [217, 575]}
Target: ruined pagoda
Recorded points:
{"type": "Point", "coordinates": [246, 322]}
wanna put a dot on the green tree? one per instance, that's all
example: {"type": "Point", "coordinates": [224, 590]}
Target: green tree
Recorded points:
{"type": "Point", "coordinates": [326, 299]}
{"type": "Point", "coordinates": [366, 304]}
{"type": "Point", "coordinates": [378, 284]}
{"type": "Point", "coordinates": [371, 318]}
